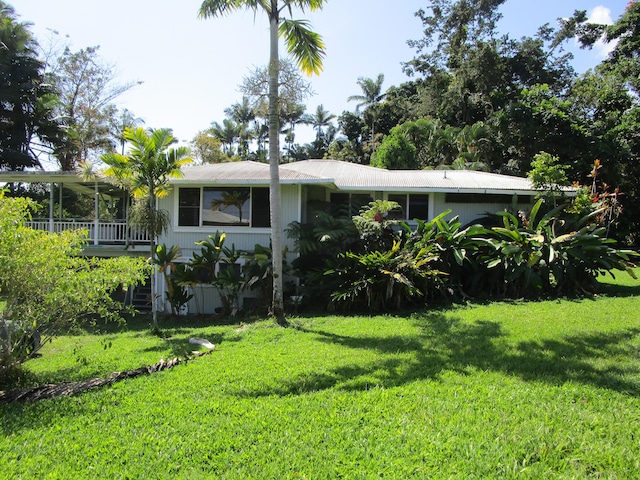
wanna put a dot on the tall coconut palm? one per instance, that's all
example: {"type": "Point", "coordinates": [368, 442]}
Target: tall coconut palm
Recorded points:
{"type": "Point", "coordinates": [290, 117]}
{"type": "Point", "coordinates": [371, 95]}
{"type": "Point", "coordinates": [307, 49]}
{"type": "Point", "coordinates": [145, 171]}
{"type": "Point", "coordinates": [241, 112]}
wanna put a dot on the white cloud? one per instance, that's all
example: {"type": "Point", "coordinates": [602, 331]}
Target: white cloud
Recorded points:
{"type": "Point", "coordinates": [602, 15]}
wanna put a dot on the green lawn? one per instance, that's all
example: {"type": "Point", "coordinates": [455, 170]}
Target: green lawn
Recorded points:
{"type": "Point", "coordinates": [506, 390]}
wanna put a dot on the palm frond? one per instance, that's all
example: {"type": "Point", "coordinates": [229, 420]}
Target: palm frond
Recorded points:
{"type": "Point", "coordinates": [220, 8]}
{"type": "Point", "coordinates": [303, 44]}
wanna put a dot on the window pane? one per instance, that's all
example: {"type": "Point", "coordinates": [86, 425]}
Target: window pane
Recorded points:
{"type": "Point", "coordinates": [348, 204]}
{"type": "Point", "coordinates": [398, 213]}
{"type": "Point", "coordinates": [339, 204]}
{"type": "Point", "coordinates": [260, 214]}
{"type": "Point", "coordinates": [189, 207]}
{"type": "Point", "coordinates": [418, 207]}
{"type": "Point", "coordinates": [226, 206]}
{"type": "Point", "coordinates": [359, 200]}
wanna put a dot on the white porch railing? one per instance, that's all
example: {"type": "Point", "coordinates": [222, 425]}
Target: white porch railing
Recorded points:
{"type": "Point", "coordinates": [109, 232]}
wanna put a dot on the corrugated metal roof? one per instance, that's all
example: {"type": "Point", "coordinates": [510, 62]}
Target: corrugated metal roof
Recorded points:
{"type": "Point", "coordinates": [70, 180]}
{"type": "Point", "coordinates": [352, 176]}
{"type": "Point", "coordinates": [245, 172]}
{"type": "Point", "coordinates": [338, 174]}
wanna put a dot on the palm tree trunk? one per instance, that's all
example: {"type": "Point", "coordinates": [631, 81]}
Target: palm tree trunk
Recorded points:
{"type": "Point", "coordinates": [152, 246]}
{"type": "Point", "coordinates": [274, 181]}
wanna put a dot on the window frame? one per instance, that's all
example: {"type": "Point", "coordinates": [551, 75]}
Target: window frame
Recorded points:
{"type": "Point", "coordinates": [408, 206]}
{"type": "Point", "coordinates": [252, 210]}
{"type": "Point", "coordinates": [351, 200]}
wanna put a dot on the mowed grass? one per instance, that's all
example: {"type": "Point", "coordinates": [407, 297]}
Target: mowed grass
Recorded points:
{"type": "Point", "coordinates": [545, 389]}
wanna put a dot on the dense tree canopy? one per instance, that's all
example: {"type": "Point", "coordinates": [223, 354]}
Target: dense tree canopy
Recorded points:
{"type": "Point", "coordinates": [476, 97]}
{"type": "Point", "coordinates": [26, 100]}
{"type": "Point", "coordinates": [86, 89]}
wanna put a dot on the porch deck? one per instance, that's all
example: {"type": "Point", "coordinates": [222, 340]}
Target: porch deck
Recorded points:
{"type": "Point", "coordinates": [112, 233]}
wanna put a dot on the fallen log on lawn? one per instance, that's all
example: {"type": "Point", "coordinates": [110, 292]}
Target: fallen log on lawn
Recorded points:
{"type": "Point", "coordinates": [42, 392]}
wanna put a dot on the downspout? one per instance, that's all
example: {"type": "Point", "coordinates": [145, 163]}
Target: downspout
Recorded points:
{"type": "Point", "coordinates": [300, 203]}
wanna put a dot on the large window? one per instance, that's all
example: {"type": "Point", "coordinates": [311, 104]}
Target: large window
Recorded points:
{"type": "Point", "coordinates": [223, 206]}
{"type": "Point", "coordinates": [412, 206]}
{"type": "Point", "coordinates": [348, 204]}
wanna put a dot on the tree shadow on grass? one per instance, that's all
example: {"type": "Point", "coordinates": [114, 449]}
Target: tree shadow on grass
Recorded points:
{"type": "Point", "coordinates": [169, 324]}
{"type": "Point", "coordinates": [181, 346]}
{"type": "Point", "coordinates": [612, 290]}
{"type": "Point", "coordinates": [450, 345]}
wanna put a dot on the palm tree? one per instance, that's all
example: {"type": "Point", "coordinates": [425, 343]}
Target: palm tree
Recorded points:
{"type": "Point", "coordinates": [126, 119]}
{"type": "Point", "coordinates": [228, 133]}
{"type": "Point", "coordinates": [322, 118]}
{"type": "Point", "coordinates": [471, 141]}
{"type": "Point", "coordinates": [371, 95]}
{"type": "Point", "coordinates": [145, 172]}
{"type": "Point", "coordinates": [235, 198]}
{"type": "Point", "coordinates": [292, 116]}
{"type": "Point", "coordinates": [243, 114]}
{"type": "Point", "coordinates": [308, 50]}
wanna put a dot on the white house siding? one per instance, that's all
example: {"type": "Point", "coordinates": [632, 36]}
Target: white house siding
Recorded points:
{"type": "Point", "coordinates": [244, 238]}
{"type": "Point", "coordinates": [206, 298]}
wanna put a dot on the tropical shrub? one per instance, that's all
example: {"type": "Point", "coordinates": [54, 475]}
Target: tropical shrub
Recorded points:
{"type": "Point", "coordinates": [258, 274]}
{"type": "Point", "coordinates": [215, 264]}
{"type": "Point", "coordinates": [456, 249]}
{"type": "Point", "coordinates": [379, 280]}
{"type": "Point", "coordinates": [218, 265]}
{"type": "Point", "coordinates": [177, 292]}
{"type": "Point", "coordinates": [531, 256]}
{"type": "Point", "coordinates": [377, 230]}
{"type": "Point", "coordinates": [165, 259]}
{"type": "Point", "coordinates": [48, 287]}
{"type": "Point", "coordinates": [381, 273]}
{"type": "Point", "coordinates": [329, 232]}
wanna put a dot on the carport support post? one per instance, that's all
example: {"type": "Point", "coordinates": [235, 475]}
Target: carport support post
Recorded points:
{"type": "Point", "coordinates": [51, 207]}
{"type": "Point", "coordinates": [96, 220]}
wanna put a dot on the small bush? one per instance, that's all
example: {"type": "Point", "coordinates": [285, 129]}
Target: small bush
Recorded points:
{"type": "Point", "coordinates": [48, 286]}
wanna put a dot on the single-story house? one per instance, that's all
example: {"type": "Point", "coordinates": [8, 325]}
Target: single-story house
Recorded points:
{"type": "Point", "coordinates": [201, 202]}
{"type": "Point", "coordinates": [234, 198]}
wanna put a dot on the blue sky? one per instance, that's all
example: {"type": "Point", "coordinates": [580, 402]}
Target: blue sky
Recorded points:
{"type": "Point", "coordinates": [191, 68]}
